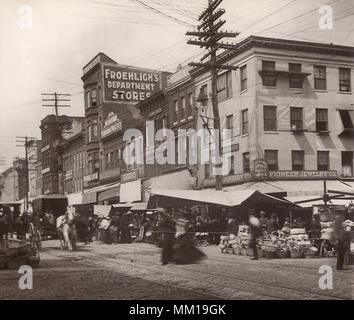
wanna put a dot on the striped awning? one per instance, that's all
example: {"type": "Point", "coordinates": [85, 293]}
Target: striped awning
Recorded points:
{"type": "Point", "coordinates": [111, 193]}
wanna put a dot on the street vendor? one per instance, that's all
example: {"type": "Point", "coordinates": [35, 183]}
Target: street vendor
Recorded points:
{"type": "Point", "coordinates": [343, 238]}
{"type": "Point", "coordinates": [272, 224]}
{"type": "Point", "coordinates": [263, 220]}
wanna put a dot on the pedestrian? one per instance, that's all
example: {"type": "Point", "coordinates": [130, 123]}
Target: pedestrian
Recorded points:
{"type": "Point", "coordinates": [272, 224]}
{"type": "Point", "coordinates": [168, 230]}
{"type": "Point", "coordinates": [125, 236]}
{"type": "Point", "coordinates": [263, 220]}
{"type": "Point", "coordinates": [255, 229]}
{"type": "Point", "coordinates": [342, 238]}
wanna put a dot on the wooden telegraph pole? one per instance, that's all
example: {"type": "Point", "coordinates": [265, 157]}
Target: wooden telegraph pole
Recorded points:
{"type": "Point", "coordinates": [209, 37]}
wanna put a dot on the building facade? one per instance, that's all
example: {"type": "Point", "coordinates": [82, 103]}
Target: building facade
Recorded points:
{"type": "Point", "coordinates": [13, 182]}
{"type": "Point", "coordinates": [111, 94]}
{"type": "Point", "coordinates": [34, 158]}
{"type": "Point", "coordinates": [289, 107]}
{"type": "Point", "coordinates": [55, 132]}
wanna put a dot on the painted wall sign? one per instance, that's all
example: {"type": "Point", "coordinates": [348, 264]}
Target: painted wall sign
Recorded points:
{"type": "Point", "coordinates": [68, 175]}
{"type": "Point", "coordinates": [91, 177]}
{"type": "Point", "coordinates": [273, 175]}
{"type": "Point", "coordinates": [125, 84]}
{"type": "Point", "coordinates": [112, 124]}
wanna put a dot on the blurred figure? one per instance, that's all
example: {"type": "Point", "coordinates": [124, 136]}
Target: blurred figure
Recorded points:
{"type": "Point", "coordinates": [263, 220]}
{"type": "Point", "coordinates": [256, 230]}
{"type": "Point", "coordinates": [125, 236]}
{"type": "Point", "coordinates": [342, 238]}
{"type": "Point", "coordinates": [168, 229]}
{"type": "Point", "coordinates": [286, 226]}
{"type": "Point", "coordinates": [4, 225]}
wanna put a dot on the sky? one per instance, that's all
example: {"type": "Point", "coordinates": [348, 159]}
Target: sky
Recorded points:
{"type": "Point", "coordinates": [66, 34]}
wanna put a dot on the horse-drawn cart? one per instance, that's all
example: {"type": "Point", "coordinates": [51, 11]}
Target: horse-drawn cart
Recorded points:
{"type": "Point", "coordinates": [46, 209]}
{"type": "Point", "coordinates": [15, 253]}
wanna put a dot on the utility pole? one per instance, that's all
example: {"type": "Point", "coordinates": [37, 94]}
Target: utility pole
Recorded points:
{"type": "Point", "coordinates": [25, 141]}
{"type": "Point", "coordinates": [209, 37]}
{"type": "Point", "coordinates": [55, 100]}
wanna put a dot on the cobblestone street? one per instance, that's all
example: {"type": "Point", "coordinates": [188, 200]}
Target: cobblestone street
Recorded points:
{"type": "Point", "coordinates": [133, 271]}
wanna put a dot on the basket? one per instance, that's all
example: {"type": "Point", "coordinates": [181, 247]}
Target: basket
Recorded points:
{"type": "Point", "coordinates": [270, 254]}
{"type": "Point", "coordinates": [295, 255]}
{"type": "Point", "coordinates": [237, 250]}
{"type": "Point", "coordinates": [282, 254]}
{"type": "Point", "coordinates": [243, 252]}
{"type": "Point", "coordinates": [309, 255]}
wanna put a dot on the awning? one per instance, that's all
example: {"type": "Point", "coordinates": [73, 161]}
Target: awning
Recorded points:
{"type": "Point", "coordinates": [171, 198]}
{"type": "Point", "coordinates": [51, 196]}
{"type": "Point", "coordinates": [74, 198]}
{"type": "Point", "coordinates": [122, 205]}
{"type": "Point", "coordinates": [139, 206]}
{"type": "Point", "coordinates": [89, 197]}
{"type": "Point", "coordinates": [311, 203]}
{"type": "Point", "coordinates": [179, 180]}
{"type": "Point", "coordinates": [111, 193]}
{"type": "Point", "coordinates": [130, 191]}
{"type": "Point", "coordinates": [263, 186]}
{"type": "Point", "coordinates": [101, 210]}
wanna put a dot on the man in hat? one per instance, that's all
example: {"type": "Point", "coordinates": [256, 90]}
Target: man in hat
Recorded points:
{"type": "Point", "coordinates": [4, 225]}
{"type": "Point", "coordinates": [255, 227]}
{"type": "Point", "coordinates": [342, 238]}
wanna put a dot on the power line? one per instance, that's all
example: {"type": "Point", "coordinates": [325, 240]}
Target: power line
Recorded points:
{"type": "Point", "coordinates": [152, 9]}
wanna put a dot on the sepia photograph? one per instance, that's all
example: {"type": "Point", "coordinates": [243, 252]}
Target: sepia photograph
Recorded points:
{"type": "Point", "coordinates": [185, 152]}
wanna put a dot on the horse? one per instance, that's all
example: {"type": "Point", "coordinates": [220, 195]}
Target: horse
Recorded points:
{"type": "Point", "coordinates": [67, 230]}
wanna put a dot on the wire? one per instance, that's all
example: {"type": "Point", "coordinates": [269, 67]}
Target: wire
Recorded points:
{"type": "Point", "coordinates": [152, 9]}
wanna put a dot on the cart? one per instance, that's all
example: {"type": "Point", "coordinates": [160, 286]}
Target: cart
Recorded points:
{"type": "Point", "coordinates": [15, 253]}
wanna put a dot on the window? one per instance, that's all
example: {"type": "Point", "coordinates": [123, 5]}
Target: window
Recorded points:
{"type": "Point", "coordinates": [322, 160]}
{"type": "Point", "coordinates": [95, 129]}
{"type": "Point", "coordinates": [344, 80]}
{"type": "Point", "coordinates": [270, 118]}
{"type": "Point", "coordinates": [88, 99]}
{"type": "Point", "coordinates": [94, 98]}
{"type": "Point", "coordinates": [89, 133]}
{"type": "Point", "coordinates": [232, 171]}
{"type": "Point", "coordinates": [190, 105]}
{"type": "Point", "coordinates": [175, 109]}
{"type": "Point", "coordinates": [347, 163]}
{"type": "Point", "coordinates": [268, 73]}
{"type": "Point", "coordinates": [246, 162]}
{"type": "Point", "coordinates": [207, 171]}
{"type": "Point", "coordinates": [244, 126]}
{"type": "Point", "coordinates": [183, 108]}
{"type": "Point", "coordinates": [295, 78]}
{"type": "Point", "coordinates": [224, 86]}
{"type": "Point", "coordinates": [243, 76]}
{"type": "Point", "coordinates": [271, 158]}
{"type": "Point", "coordinates": [320, 78]}
{"type": "Point", "coordinates": [296, 119]}
{"type": "Point", "coordinates": [230, 124]}
{"type": "Point", "coordinates": [297, 160]}
{"type": "Point", "coordinates": [321, 120]}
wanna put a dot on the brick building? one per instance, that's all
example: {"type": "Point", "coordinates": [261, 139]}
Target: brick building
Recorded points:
{"type": "Point", "coordinates": [291, 112]}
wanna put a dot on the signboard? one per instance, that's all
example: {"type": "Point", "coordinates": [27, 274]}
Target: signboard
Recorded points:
{"type": "Point", "coordinates": [130, 191]}
{"type": "Point", "coordinates": [112, 124]}
{"type": "Point", "coordinates": [260, 168]}
{"type": "Point", "coordinates": [124, 84]}
{"type": "Point", "coordinates": [46, 170]}
{"type": "Point", "coordinates": [68, 175]}
{"type": "Point", "coordinates": [272, 175]}
{"type": "Point", "coordinates": [129, 176]}
{"type": "Point", "coordinates": [101, 210]}
{"type": "Point", "coordinates": [91, 177]}
{"type": "Point", "coordinates": [94, 62]}
{"type": "Point", "coordinates": [309, 174]}
{"type": "Point", "coordinates": [45, 148]}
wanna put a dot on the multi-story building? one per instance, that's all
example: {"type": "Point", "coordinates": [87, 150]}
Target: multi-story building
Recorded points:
{"type": "Point", "coordinates": [111, 94]}
{"type": "Point", "coordinates": [55, 132]}
{"type": "Point", "coordinates": [290, 109]}
{"type": "Point", "coordinates": [34, 154]}
{"type": "Point", "coordinates": [13, 182]}
{"type": "Point", "coordinates": [74, 165]}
